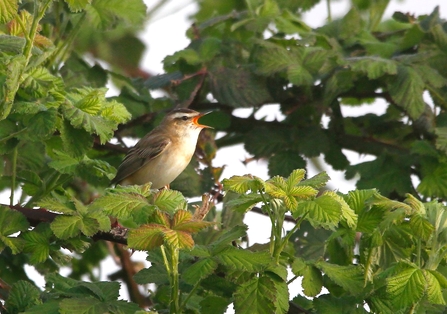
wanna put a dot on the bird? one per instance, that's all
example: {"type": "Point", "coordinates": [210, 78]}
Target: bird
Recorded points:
{"type": "Point", "coordinates": [162, 154]}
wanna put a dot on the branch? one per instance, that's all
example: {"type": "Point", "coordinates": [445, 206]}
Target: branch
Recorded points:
{"type": "Point", "coordinates": [39, 215]}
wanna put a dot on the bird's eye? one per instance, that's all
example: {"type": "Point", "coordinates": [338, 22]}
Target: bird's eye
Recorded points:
{"type": "Point", "coordinates": [184, 118]}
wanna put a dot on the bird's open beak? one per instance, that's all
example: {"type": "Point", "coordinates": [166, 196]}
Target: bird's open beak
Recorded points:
{"type": "Point", "coordinates": [195, 120]}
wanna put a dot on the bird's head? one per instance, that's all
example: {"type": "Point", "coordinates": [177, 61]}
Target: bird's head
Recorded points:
{"type": "Point", "coordinates": [184, 119]}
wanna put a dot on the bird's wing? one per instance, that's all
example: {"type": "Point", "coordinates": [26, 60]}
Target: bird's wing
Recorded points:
{"type": "Point", "coordinates": [140, 154]}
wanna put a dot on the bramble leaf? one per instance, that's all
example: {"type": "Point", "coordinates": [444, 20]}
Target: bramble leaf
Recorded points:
{"type": "Point", "coordinates": [243, 184]}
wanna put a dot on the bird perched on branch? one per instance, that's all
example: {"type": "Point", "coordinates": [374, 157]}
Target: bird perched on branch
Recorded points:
{"type": "Point", "coordinates": [162, 154]}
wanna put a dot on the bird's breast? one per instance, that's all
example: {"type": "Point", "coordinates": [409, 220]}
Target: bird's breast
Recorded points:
{"type": "Point", "coordinates": [163, 169]}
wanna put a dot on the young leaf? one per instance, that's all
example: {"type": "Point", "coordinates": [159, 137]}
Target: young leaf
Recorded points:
{"type": "Point", "coordinates": [182, 221]}
{"type": "Point", "coordinates": [406, 287]}
{"type": "Point", "coordinates": [65, 227]}
{"type": "Point", "coordinates": [37, 243]}
{"type": "Point", "coordinates": [421, 227]}
{"type": "Point", "coordinates": [178, 239]}
{"type": "Point", "coordinates": [288, 190]}
{"type": "Point", "coordinates": [146, 237]}
{"type": "Point", "coordinates": [8, 9]}
{"type": "Point", "coordinates": [434, 287]}
{"type": "Point", "coordinates": [57, 205]}
{"type": "Point", "coordinates": [318, 181]}
{"type": "Point", "coordinates": [348, 215]}
{"type": "Point", "coordinates": [242, 184]}
{"type": "Point", "coordinates": [323, 211]}
{"type": "Point", "coordinates": [348, 277]}
{"type": "Point", "coordinates": [168, 200]}
{"type": "Point", "coordinates": [120, 205]}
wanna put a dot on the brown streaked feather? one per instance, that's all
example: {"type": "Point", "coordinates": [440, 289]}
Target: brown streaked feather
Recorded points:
{"type": "Point", "coordinates": [140, 154]}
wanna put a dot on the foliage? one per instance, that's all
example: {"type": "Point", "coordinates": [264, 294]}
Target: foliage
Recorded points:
{"type": "Point", "coordinates": [378, 249]}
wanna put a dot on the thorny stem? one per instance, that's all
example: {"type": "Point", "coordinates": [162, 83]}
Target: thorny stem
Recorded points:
{"type": "Point", "coordinates": [63, 48]}
{"type": "Point", "coordinates": [171, 258]}
{"type": "Point", "coordinates": [27, 51]}
{"type": "Point", "coordinates": [37, 16]}
{"type": "Point", "coordinates": [13, 176]}
{"type": "Point", "coordinates": [272, 220]}
{"type": "Point", "coordinates": [4, 139]}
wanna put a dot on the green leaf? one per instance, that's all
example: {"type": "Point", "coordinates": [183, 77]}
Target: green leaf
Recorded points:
{"type": "Point", "coordinates": [348, 215]}
{"type": "Point", "coordinates": [13, 66]}
{"type": "Point", "coordinates": [88, 226]}
{"type": "Point", "coordinates": [77, 5]}
{"type": "Point", "coordinates": [282, 296]}
{"type": "Point", "coordinates": [41, 125]}
{"type": "Point", "coordinates": [243, 184]}
{"type": "Point", "coordinates": [121, 205]}
{"type": "Point", "coordinates": [92, 124]}
{"type": "Point", "coordinates": [156, 273]}
{"type": "Point", "coordinates": [406, 90]}
{"type": "Point", "coordinates": [441, 140]}
{"type": "Point", "coordinates": [312, 281]}
{"type": "Point", "coordinates": [434, 286]}
{"type": "Point", "coordinates": [91, 305]}
{"type": "Point", "coordinates": [265, 142]}
{"type": "Point", "coordinates": [146, 237]}
{"type": "Point", "coordinates": [238, 259]}
{"type": "Point", "coordinates": [369, 220]}
{"type": "Point", "coordinates": [373, 67]}
{"type": "Point", "coordinates": [228, 236]}
{"type": "Point", "coordinates": [91, 101]}
{"type": "Point", "coordinates": [255, 296]}
{"type": "Point", "coordinates": [318, 181]}
{"type": "Point", "coordinates": [406, 287]}
{"type": "Point", "coordinates": [434, 179]}
{"type": "Point", "coordinates": [189, 55]}
{"type": "Point", "coordinates": [8, 10]}
{"type": "Point", "coordinates": [324, 211]}
{"type": "Point", "coordinates": [65, 227]}
{"type": "Point", "coordinates": [348, 277]}
{"type": "Point", "coordinates": [63, 162]}
{"type": "Point", "coordinates": [115, 111]}
{"type": "Point", "coordinates": [209, 48]}
{"type": "Point", "coordinates": [289, 190]}
{"type": "Point", "coordinates": [39, 82]}
{"type": "Point", "coordinates": [243, 90]}
{"type": "Point", "coordinates": [244, 203]}
{"type": "Point", "coordinates": [105, 14]}
{"type": "Point", "coordinates": [168, 200]}
{"type": "Point", "coordinates": [178, 239]}
{"type": "Point", "coordinates": [76, 141]}
{"type": "Point", "coordinates": [37, 243]}
{"type": "Point", "coordinates": [182, 221]}
{"type": "Point", "coordinates": [11, 222]}
{"type": "Point", "coordinates": [282, 163]}
{"type": "Point", "coordinates": [199, 270]}
{"type": "Point", "coordinates": [421, 227]}
{"type": "Point", "coordinates": [57, 205]}
{"type": "Point", "coordinates": [213, 304]}
{"type": "Point", "coordinates": [22, 296]}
